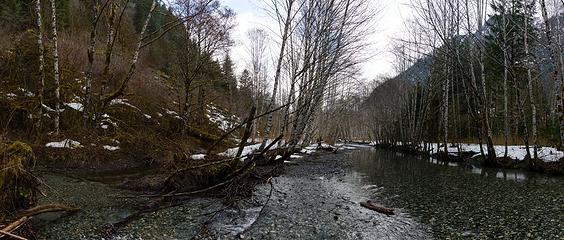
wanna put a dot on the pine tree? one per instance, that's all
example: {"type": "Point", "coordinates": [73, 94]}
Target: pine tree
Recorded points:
{"type": "Point", "coordinates": [245, 82]}
{"type": "Point", "coordinates": [228, 74]}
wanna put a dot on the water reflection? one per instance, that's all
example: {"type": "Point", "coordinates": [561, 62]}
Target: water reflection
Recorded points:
{"type": "Point", "coordinates": [461, 199]}
{"type": "Point", "coordinates": [505, 174]}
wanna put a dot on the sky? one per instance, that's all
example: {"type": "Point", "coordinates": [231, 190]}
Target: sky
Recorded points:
{"type": "Point", "coordinates": [389, 24]}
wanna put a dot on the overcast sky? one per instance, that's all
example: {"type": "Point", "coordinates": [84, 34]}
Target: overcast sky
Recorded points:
{"type": "Point", "coordinates": [389, 24]}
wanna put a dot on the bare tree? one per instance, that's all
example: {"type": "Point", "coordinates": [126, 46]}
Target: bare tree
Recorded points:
{"type": "Point", "coordinates": [286, 22]}
{"type": "Point", "coordinates": [41, 61]}
{"type": "Point", "coordinates": [530, 84]}
{"type": "Point", "coordinates": [96, 15]}
{"type": "Point", "coordinates": [555, 56]}
{"type": "Point", "coordinates": [258, 42]}
{"type": "Point", "coordinates": [56, 66]}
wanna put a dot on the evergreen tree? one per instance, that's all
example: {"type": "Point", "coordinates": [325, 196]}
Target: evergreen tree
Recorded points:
{"type": "Point", "coordinates": [245, 82]}
{"type": "Point", "coordinates": [228, 73]}
{"type": "Point", "coordinates": [515, 15]}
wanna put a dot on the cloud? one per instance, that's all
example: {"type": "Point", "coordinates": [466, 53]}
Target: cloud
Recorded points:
{"type": "Point", "coordinates": [389, 24]}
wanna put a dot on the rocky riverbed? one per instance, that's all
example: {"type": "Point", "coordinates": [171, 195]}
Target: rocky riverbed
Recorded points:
{"type": "Point", "coordinates": [315, 198]}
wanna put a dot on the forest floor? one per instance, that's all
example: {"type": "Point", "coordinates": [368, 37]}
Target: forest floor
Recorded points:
{"type": "Point", "coordinates": [313, 198]}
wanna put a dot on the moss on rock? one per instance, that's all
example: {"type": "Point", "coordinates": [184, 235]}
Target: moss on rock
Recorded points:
{"type": "Point", "coordinates": [17, 185]}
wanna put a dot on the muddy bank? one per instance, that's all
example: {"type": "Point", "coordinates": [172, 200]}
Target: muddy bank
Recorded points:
{"type": "Point", "coordinates": [313, 199]}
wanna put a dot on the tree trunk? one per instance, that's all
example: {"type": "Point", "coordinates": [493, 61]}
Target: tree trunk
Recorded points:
{"type": "Point", "coordinates": [530, 90]}
{"type": "Point", "coordinates": [56, 66]}
{"type": "Point", "coordinates": [287, 22]}
{"type": "Point", "coordinates": [41, 90]}
{"type": "Point", "coordinates": [505, 73]}
{"type": "Point", "coordinates": [134, 61]}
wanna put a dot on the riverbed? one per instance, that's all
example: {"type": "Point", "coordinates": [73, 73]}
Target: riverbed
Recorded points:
{"type": "Point", "coordinates": [464, 201]}
{"type": "Point", "coordinates": [317, 197]}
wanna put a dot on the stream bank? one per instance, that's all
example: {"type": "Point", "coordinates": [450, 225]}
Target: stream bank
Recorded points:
{"type": "Point", "coordinates": [549, 161]}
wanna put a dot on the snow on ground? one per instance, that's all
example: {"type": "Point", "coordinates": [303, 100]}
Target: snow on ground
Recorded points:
{"type": "Point", "coordinates": [75, 106]}
{"type": "Point", "coordinates": [345, 146]}
{"type": "Point", "coordinates": [222, 119]}
{"type": "Point", "coordinates": [147, 116]}
{"type": "Point", "coordinates": [111, 148]}
{"type": "Point", "coordinates": [26, 92]}
{"type": "Point", "coordinates": [11, 96]}
{"type": "Point", "coordinates": [547, 154]}
{"type": "Point", "coordinates": [198, 156]}
{"type": "Point", "coordinates": [295, 156]}
{"type": "Point", "coordinates": [307, 151]}
{"type": "Point", "coordinates": [67, 143]}
{"type": "Point", "coordinates": [122, 101]}
{"type": "Point", "coordinates": [106, 122]}
{"type": "Point", "coordinates": [246, 150]}
{"type": "Point", "coordinates": [172, 113]}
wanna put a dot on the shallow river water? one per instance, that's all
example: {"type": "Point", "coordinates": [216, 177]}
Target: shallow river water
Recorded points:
{"type": "Point", "coordinates": [464, 201]}
{"type": "Point", "coordinates": [318, 197]}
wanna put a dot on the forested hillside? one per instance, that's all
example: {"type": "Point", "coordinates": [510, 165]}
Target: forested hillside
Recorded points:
{"type": "Point", "coordinates": [137, 72]}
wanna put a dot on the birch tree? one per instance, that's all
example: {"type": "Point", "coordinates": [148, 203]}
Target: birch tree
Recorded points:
{"type": "Point", "coordinates": [41, 61]}
{"type": "Point", "coordinates": [56, 66]}
{"type": "Point", "coordinates": [285, 21]}
{"type": "Point", "coordinates": [332, 36]}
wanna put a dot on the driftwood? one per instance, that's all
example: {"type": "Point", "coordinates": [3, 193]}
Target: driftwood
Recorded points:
{"type": "Point", "coordinates": [28, 214]}
{"type": "Point", "coordinates": [11, 235]}
{"type": "Point", "coordinates": [230, 178]}
{"type": "Point", "coordinates": [14, 225]}
{"type": "Point", "coordinates": [378, 208]}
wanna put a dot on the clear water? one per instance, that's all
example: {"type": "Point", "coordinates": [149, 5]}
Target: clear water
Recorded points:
{"type": "Point", "coordinates": [464, 201]}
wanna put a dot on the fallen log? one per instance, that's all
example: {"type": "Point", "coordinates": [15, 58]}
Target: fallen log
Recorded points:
{"type": "Point", "coordinates": [14, 225]}
{"type": "Point", "coordinates": [378, 208]}
{"type": "Point", "coordinates": [12, 235]}
{"type": "Point", "coordinates": [29, 213]}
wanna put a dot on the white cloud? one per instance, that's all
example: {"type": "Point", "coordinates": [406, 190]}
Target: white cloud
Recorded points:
{"type": "Point", "coordinates": [389, 24]}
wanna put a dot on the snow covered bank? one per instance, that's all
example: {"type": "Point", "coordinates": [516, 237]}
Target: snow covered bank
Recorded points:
{"type": "Point", "coordinates": [547, 154]}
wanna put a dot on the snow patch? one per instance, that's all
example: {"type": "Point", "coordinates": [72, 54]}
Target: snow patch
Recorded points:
{"type": "Point", "coordinates": [111, 148]}
{"type": "Point", "coordinates": [246, 150]}
{"type": "Point", "coordinates": [75, 106]}
{"type": "Point", "coordinates": [122, 101]}
{"type": "Point", "coordinates": [221, 118]}
{"type": "Point", "coordinates": [198, 156]}
{"type": "Point", "coordinates": [307, 151]}
{"type": "Point", "coordinates": [67, 143]}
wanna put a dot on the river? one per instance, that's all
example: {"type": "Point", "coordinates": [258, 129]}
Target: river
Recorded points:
{"type": "Point", "coordinates": [317, 197]}
{"type": "Point", "coordinates": [461, 200]}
